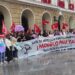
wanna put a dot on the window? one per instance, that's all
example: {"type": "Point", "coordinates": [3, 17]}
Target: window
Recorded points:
{"type": "Point", "coordinates": [54, 2]}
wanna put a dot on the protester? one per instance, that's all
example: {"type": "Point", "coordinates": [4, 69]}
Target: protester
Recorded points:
{"type": "Point", "coordinates": [28, 35]}
{"type": "Point", "coordinates": [56, 33]}
{"type": "Point", "coordinates": [8, 44]}
{"type": "Point", "coordinates": [14, 52]}
{"type": "Point", "coordinates": [61, 33]}
{"type": "Point", "coordinates": [21, 36]}
{"type": "Point", "coordinates": [18, 39]}
{"type": "Point", "coordinates": [34, 35]}
{"type": "Point", "coordinates": [73, 31]}
{"type": "Point", "coordinates": [45, 34]}
{"type": "Point", "coordinates": [40, 35]}
{"type": "Point", "coordinates": [51, 34]}
{"type": "Point", "coordinates": [64, 32]}
{"type": "Point", "coordinates": [14, 49]}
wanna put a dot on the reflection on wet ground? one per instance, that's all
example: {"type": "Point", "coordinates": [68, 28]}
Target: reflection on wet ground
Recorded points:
{"type": "Point", "coordinates": [44, 64]}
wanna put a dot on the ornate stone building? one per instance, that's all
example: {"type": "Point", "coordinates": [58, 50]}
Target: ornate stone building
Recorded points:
{"type": "Point", "coordinates": [30, 12]}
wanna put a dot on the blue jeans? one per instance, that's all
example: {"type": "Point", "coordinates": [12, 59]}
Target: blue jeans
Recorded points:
{"type": "Point", "coordinates": [2, 57]}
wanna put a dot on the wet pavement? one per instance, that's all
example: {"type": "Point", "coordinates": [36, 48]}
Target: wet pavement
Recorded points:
{"type": "Point", "coordinates": [53, 63]}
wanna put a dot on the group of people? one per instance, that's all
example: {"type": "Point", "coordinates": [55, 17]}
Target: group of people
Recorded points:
{"type": "Point", "coordinates": [31, 34]}
{"type": "Point", "coordinates": [11, 51]}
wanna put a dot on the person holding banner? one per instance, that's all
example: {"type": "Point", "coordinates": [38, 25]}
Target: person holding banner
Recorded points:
{"type": "Point", "coordinates": [34, 35]}
{"type": "Point", "coordinates": [65, 28]}
{"type": "Point", "coordinates": [51, 34]}
{"type": "Point", "coordinates": [56, 32]}
{"type": "Point", "coordinates": [14, 49]}
{"type": "Point", "coordinates": [45, 34]}
{"type": "Point", "coordinates": [74, 31]}
{"type": "Point", "coordinates": [9, 53]}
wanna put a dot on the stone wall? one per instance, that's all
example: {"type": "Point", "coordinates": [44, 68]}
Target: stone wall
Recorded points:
{"type": "Point", "coordinates": [16, 9]}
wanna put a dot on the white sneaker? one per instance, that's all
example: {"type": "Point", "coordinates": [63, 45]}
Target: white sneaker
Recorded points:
{"type": "Point", "coordinates": [1, 63]}
{"type": "Point", "coordinates": [16, 59]}
{"type": "Point", "coordinates": [5, 62]}
{"type": "Point", "coordinates": [11, 61]}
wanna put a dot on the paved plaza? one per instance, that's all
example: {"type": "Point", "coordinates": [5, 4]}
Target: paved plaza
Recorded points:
{"type": "Point", "coordinates": [54, 63]}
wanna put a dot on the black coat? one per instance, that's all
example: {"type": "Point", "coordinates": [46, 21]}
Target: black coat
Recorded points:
{"type": "Point", "coordinates": [9, 54]}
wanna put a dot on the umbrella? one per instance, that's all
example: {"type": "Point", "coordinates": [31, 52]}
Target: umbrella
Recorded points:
{"type": "Point", "coordinates": [19, 28]}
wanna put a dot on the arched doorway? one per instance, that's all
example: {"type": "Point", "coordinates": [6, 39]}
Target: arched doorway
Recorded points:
{"type": "Point", "coordinates": [27, 19]}
{"type": "Point", "coordinates": [60, 21]}
{"type": "Point", "coordinates": [71, 23]}
{"type": "Point", "coordinates": [5, 16]}
{"type": "Point", "coordinates": [25, 23]}
{"type": "Point", "coordinates": [46, 17]}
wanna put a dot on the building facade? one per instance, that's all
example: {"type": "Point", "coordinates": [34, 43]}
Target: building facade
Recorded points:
{"type": "Point", "coordinates": [30, 12]}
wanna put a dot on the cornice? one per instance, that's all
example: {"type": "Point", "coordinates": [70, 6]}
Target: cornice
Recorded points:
{"type": "Point", "coordinates": [38, 4]}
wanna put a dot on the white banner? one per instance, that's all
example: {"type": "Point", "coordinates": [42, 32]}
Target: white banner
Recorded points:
{"type": "Point", "coordinates": [27, 48]}
{"type": "Point", "coordinates": [56, 43]}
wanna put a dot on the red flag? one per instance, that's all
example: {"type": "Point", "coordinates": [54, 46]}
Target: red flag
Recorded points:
{"type": "Point", "coordinates": [64, 26]}
{"type": "Point", "coordinates": [55, 26]}
{"type": "Point", "coordinates": [4, 29]}
{"type": "Point", "coordinates": [12, 27]}
{"type": "Point", "coordinates": [44, 22]}
{"type": "Point", "coordinates": [2, 35]}
{"type": "Point", "coordinates": [36, 29]}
